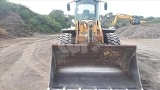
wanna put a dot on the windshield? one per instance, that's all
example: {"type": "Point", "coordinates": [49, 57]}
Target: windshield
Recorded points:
{"type": "Point", "coordinates": [86, 9]}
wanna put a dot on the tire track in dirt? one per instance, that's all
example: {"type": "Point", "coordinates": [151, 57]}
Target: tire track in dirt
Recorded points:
{"type": "Point", "coordinates": [27, 60]}
{"type": "Point", "coordinates": [27, 63]}
{"type": "Point", "coordinates": [10, 76]}
{"type": "Point", "coordinates": [11, 56]}
{"type": "Point", "coordinates": [147, 69]}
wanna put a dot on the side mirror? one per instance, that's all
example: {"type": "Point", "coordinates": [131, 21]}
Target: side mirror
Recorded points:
{"type": "Point", "coordinates": [68, 7]}
{"type": "Point", "coordinates": [105, 6]}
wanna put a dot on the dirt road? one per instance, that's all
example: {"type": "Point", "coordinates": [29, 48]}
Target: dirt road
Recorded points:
{"type": "Point", "coordinates": [25, 62]}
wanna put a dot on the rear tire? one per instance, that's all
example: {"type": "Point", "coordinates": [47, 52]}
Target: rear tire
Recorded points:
{"type": "Point", "coordinates": [66, 38]}
{"type": "Point", "coordinates": [111, 39]}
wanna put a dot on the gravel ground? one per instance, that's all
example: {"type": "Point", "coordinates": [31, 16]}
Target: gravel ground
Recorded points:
{"type": "Point", "coordinates": [139, 31]}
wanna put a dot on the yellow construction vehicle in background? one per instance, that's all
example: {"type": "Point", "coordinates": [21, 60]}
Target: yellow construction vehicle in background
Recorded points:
{"type": "Point", "coordinates": [133, 21]}
{"type": "Point", "coordinates": [143, 22]}
{"type": "Point", "coordinates": [91, 57]}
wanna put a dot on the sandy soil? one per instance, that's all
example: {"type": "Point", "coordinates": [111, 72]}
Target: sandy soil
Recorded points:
{"type": "Point", "coordinates": [148, 56]}
{"type": "Point", "coordinates": [25, 62]}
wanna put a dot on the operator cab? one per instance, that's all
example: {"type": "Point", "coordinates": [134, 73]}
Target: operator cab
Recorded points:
{"type": "Point", "coordinates": [87, 9]}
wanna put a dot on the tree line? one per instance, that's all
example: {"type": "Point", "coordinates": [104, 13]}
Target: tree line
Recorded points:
{"type": "Point", "coordinates": [52, 23]}
{"type": "Point", "coordinates": [55, 20]}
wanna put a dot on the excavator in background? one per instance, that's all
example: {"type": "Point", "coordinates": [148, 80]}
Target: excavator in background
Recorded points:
{"type": "Point", "coordinates": [133, 21]}
{"type": "Point", "coordinates": [91, 57]}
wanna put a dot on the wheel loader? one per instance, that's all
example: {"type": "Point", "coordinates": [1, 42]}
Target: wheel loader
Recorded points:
{"type": "Point", "coordinates": [91, 57]}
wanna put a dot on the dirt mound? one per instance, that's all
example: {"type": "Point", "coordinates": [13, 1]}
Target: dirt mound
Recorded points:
{"type": "Point", "coordinates": [4, 33]}
{"type": "Point", "coordinates": [11, 18]}
{"type": "Point", "coordinates": [12, 25]}
{"type": "Point", "coordinates": [139, 31]}
{"type": "Point", "coordinates": [16, 30]}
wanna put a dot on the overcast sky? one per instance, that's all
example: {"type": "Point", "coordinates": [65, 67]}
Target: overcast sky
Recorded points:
{"type": "Point", "coordinates": [132, 7]}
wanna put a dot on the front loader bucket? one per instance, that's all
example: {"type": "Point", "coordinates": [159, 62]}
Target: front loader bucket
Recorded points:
{"type": "Point", "coordinates": [82, 66]}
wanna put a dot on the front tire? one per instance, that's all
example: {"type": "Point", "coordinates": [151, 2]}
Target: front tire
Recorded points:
{"type": "Point", "coordinates": [111, 39]}
{"type": "Point", "coordinates": [65, 38]}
